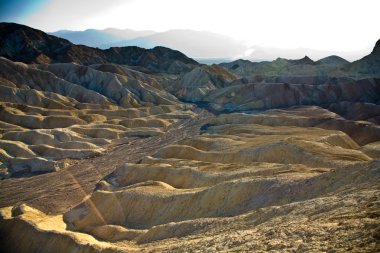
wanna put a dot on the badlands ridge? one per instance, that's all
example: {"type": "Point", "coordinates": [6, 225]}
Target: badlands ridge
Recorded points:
{"type": "Point", "coordinates": [130, 150]}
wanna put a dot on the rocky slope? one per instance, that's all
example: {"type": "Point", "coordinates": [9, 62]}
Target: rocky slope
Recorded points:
{"type": "Point", "coordinates": [244, 184]}
{"type": "Point", "coordinates": [304, 69]}
{"type": "Point", "coordinates": [282, 83]}
{"type": "Point", "coordinates": [307, 71]}
{"type": "Point", "coordinates": [286, 158]}
{"type": "Point", "coordinates": [22, 43]}
{"type": "Point", "coordinates": [368, 65]}
{"type": "Point", "coordinates": [259, 96]}
{"type": "Point", "coordinates": [51, 113]}
{"type": "Point", "coordinates": [195, 84]}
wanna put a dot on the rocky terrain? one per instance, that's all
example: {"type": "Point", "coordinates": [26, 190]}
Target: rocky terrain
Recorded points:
{"type": "Point", "coordinates": [21, 43]}
{"type": "Point", "coordinates": [130, 150]}
{"type": "Point", "coordinates": [54, 112]}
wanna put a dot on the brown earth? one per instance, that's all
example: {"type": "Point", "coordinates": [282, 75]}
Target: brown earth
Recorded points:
{"type": "Point", "coordinates": [130, 167]}
{"type": "Point", "coordinates": [58, 191]}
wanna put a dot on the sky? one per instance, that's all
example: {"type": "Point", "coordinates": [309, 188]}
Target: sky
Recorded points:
{"type": "Point", "coordinates": [332, 25]}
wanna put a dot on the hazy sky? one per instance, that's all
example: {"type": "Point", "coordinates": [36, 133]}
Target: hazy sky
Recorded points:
{"type": "Point", "coordinates": [334, 25]}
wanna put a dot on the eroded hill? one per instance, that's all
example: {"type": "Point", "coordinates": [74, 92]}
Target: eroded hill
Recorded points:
{"type": "Point", "coordinates": [282, 157]}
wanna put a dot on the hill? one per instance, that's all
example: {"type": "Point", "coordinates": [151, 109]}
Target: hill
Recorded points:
{"type": "Point", "coordinates": [130, 150]}
{"type": "Point", "coordinates": [29, 45]}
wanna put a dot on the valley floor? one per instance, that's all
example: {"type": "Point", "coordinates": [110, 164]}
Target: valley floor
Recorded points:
{"type": "Point", "coordinates": [263, 182]}
{"type": "Point", "coordinates": [59, 191]}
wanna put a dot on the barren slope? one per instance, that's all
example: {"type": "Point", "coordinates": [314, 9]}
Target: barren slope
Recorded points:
{"type": "Point", "coordinates": [51, 113]}
{"type": "Point", "coordinates": [99, 156]}
{"type": "Point", "coordinates": [240, 182]}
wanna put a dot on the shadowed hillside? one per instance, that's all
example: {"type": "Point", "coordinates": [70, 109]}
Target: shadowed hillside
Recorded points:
{"type": "Point", "coordinates": [29, 45]}
{"type": "Point", "coordinates": [130, 150]}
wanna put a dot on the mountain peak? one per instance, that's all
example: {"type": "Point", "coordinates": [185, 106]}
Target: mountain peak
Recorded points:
{"type": "Point", "coordinates": [28, 45]}
{"type": "Point", "coordinates": [376, 49]}
{"type": "Point", "coordinates": [306, 60]}
{"type": "Point", "coordinates": [332, 59]}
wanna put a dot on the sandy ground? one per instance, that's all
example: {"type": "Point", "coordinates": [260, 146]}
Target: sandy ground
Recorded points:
{"type": "Point", "coordinates": [58, 191]}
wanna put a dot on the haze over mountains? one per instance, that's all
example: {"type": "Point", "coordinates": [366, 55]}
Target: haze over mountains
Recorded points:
{"type": "Point", "coordinates": [197, 44]}
{"type": "Point", "coordinates": [207, 47]}
{"type": "Point", "coordinates": [127, 149]}
{"type": "Point", "coordinates": [100, 38]}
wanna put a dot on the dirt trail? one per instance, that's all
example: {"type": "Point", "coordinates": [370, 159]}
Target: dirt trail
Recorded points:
{"type": "Point", "coordinates": [58, 191]}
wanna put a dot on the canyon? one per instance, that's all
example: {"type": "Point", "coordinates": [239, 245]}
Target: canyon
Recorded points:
{"type": "Point", "coordinates": [129, 149]}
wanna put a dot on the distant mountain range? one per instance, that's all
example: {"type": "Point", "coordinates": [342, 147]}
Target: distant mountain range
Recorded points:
{"type": "Point", "coordinates": [100, 38]}
{"type": "Point", "coordinates": [205, 47]}
{"type": "Point", "coordinates": [197, 44]}
{"type": "Point", "coordinates": [261, 53]}
{"type": "Point", "coordinates": [22, 43]}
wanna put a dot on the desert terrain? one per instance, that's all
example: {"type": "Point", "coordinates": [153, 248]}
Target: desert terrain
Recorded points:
{"type": "Point", "coordinates": [146, 150]}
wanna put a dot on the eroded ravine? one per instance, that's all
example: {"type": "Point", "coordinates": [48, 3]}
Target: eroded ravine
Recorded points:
{"type": "Point", "coordinates": [56, 192]}
{"type": "Point", "coordinates": [290, 162]}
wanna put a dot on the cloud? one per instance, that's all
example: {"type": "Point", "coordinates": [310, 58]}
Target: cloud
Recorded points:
{"type": "Point", "coordinates": [339, 25]}
{"type": "Point", "coordinates": [70, 13]}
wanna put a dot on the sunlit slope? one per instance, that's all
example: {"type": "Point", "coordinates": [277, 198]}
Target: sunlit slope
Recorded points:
{"type": "Point", "coordinates": [238, 182]}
